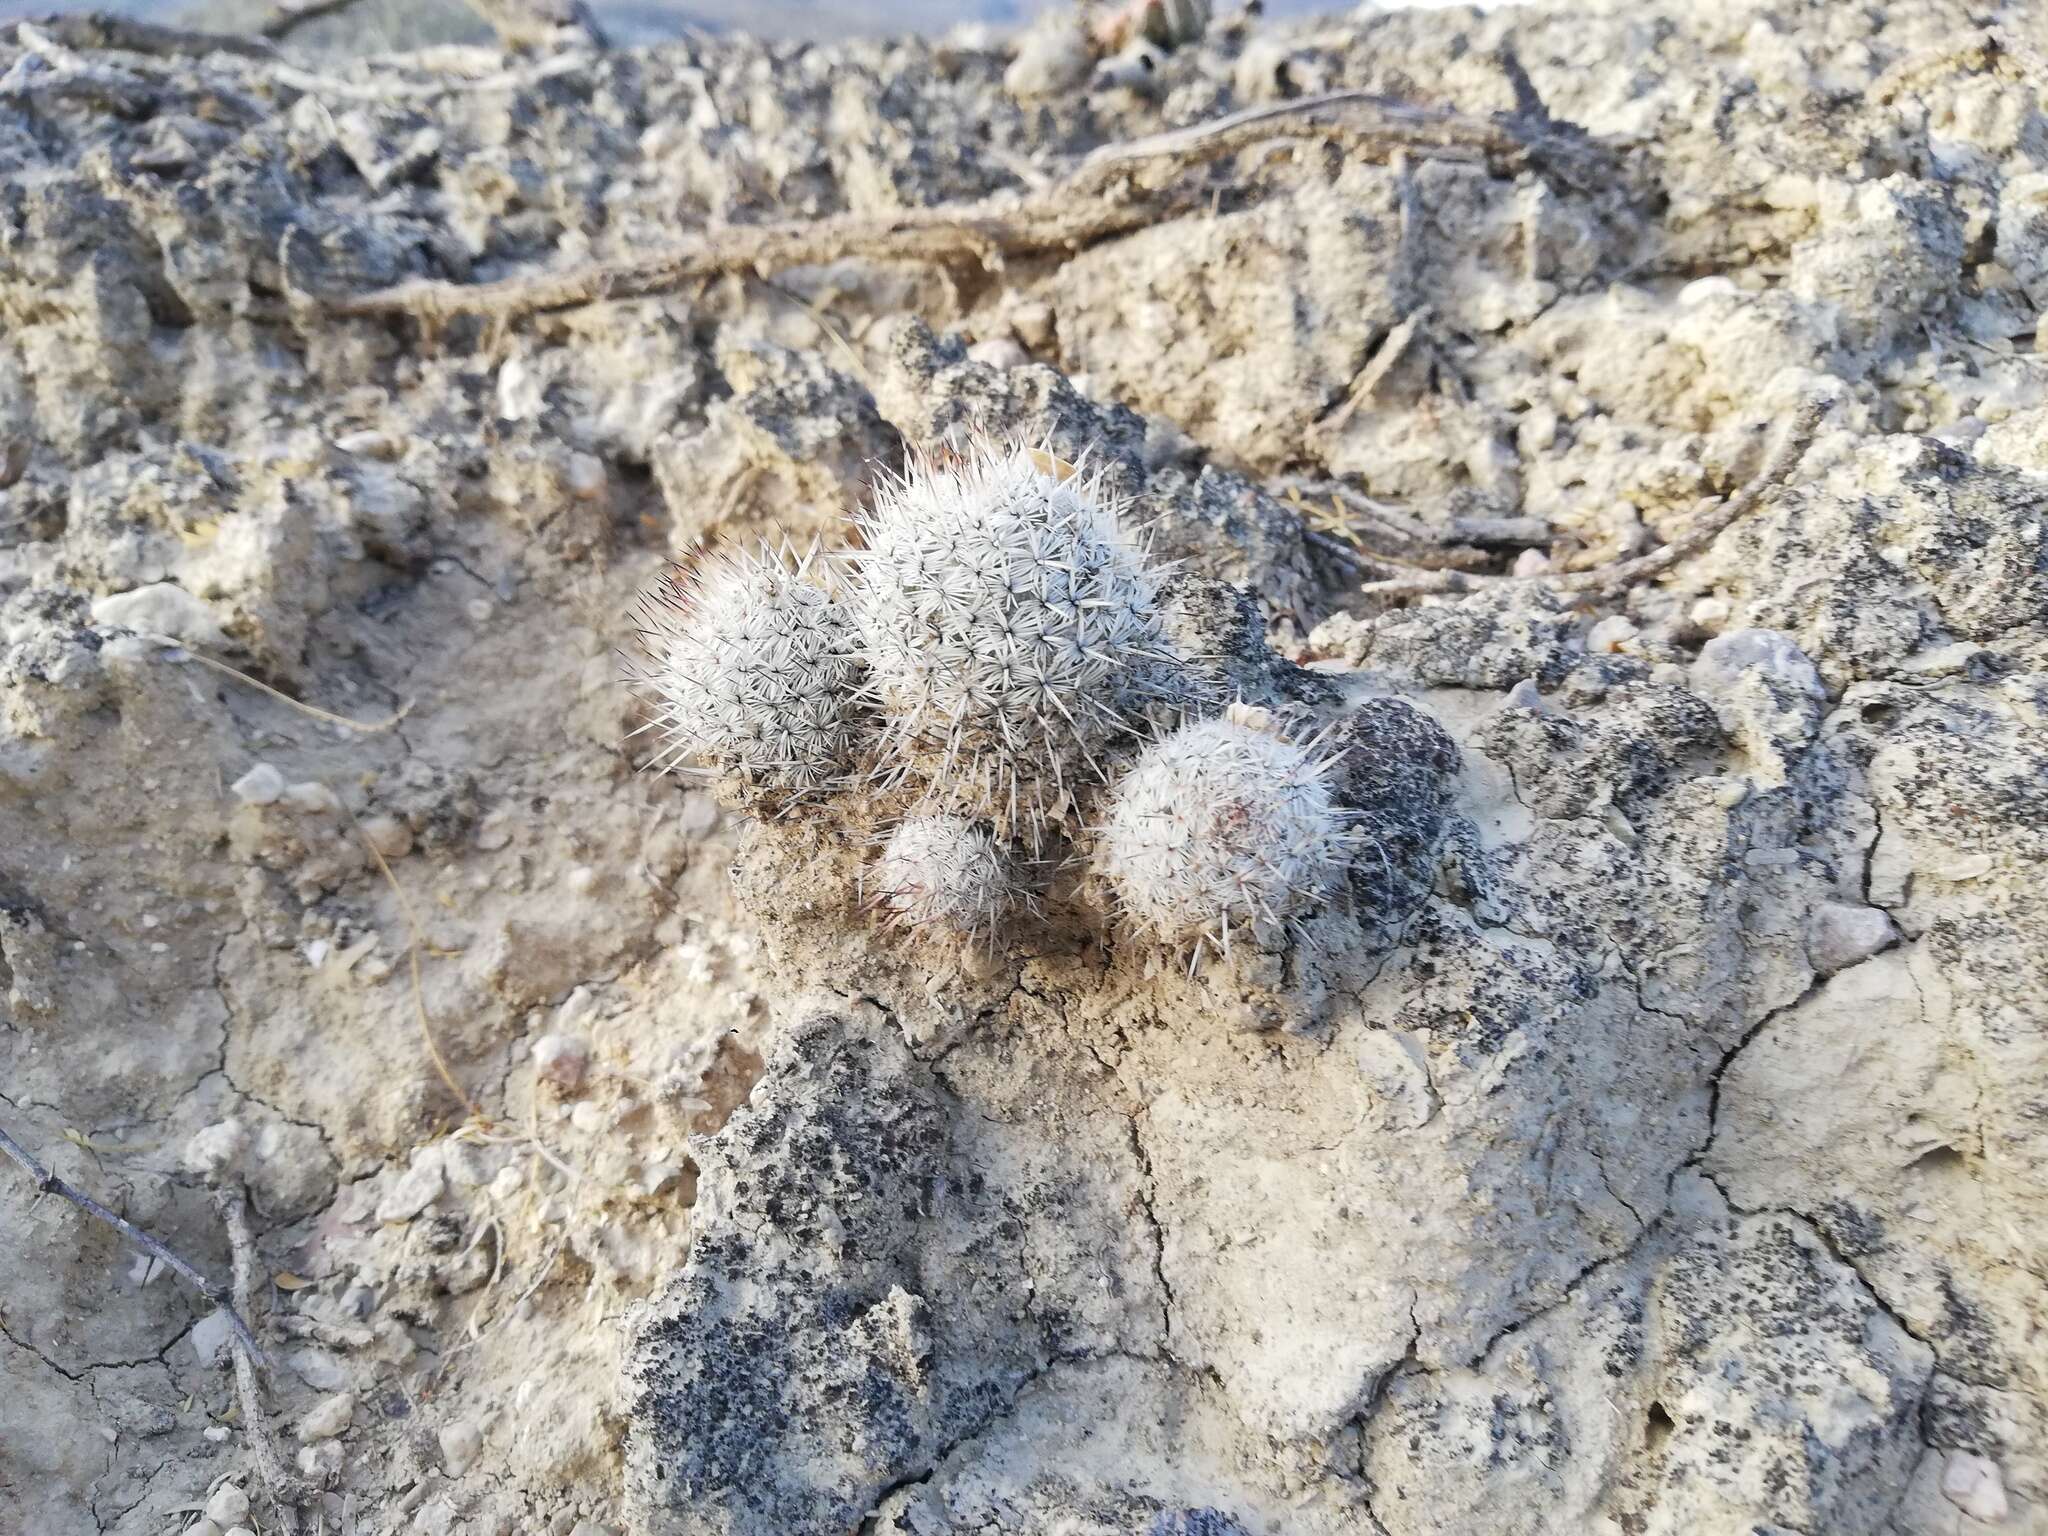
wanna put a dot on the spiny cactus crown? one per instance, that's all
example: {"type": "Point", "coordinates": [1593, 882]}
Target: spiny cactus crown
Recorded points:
{"type": "Point", "coordinates": [943, 871]}
{"type": "Point", "coordinates": [1223, 821]}
{"type": "Point", "coordinates": [752, 671]}
{"type": "Point", "coordinates": [1010, 631]}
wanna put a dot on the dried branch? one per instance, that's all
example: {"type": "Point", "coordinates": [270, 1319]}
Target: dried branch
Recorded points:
{"type": "Point", "coordinates": [1370, 531]}
{"type": "Point", "coordinates": [427, 90]}
{"type": "Point", "coordinates": [1612, 579]}
{"type": "Point", "coordinates": [96, 31]}
{"type": "Point", "coordinates": [287, 1490]}
{"type": "Point", "coordinates": [290, 15]}
{"type": "Point", "coordinates": [1113, 190]}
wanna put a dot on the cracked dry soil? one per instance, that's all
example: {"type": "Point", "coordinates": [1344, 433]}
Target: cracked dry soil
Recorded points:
{"type": "Point", "coordinates": [1652, 1141]}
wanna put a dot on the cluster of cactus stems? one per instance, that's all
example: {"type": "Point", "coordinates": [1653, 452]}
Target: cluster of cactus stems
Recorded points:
{"type": "Point", "coordinates": [991, 656]}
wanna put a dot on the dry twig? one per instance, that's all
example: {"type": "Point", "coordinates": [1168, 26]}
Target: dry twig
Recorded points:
{"type": "Point", "coordinates": [96, 31]}
{"type": "Point", "coordinates": [1113, 190]}
{"type": "Point", "coordinates": [290, 15]}
{"type": "Point", "coordinates": [1613, 579]}
{"type": "Point", "coordinates": [287, 1490]}
{"type": "Point", "coordinates": [47, 1182]}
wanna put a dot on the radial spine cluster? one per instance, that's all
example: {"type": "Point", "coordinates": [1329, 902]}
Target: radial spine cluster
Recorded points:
{"type": "Point", "coordinates": [945, 872]}
{"type": "Point", "coordinates": [1223, 822]}
{"type": "Point", "coordinates": [753, 671]}
{"type": "Point", "coordinates": [1011, 634]}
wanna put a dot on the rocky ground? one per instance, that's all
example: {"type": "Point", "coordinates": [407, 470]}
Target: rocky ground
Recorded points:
{"type": "Point", "coordinates": [1652, 1141]}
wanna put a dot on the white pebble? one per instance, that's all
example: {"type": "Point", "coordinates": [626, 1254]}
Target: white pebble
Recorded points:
{"type": "Point", "coordinates": [1974, 1485]}
{"type": "Point", "coordinates": [388, 835]}
{"type": "Point", "coordinates": [478, 609]}
{"type": "Point", "coordinates": [1840, 935]}
{"type": "Point", "coordinates": [1711, 614]}
{"type": "Point", "coordinates": [312, 798]}
{"type": "Point", "coordinates": [210, 1337]}
{"type": "Point", "coordinates": [165, 610]}
{"type": "Point", "coordinates": [561, 1059]}
{"type": "Point", "coordinates": [369, 444]}
{"type": "Point", "coordinates": [331, 1418]}
{"type": "Point", "coordinates": [229, 1506]}
{"type": "Point", "coordinates": [1611, 636]}
{"type": "Point", "coordinates": [261, 785]}
{"type": "Point", "coordinates": [417, 1188]}
{"type": "Point", "coordinates": [587, 1118]}
{"type": "Point", "coordinates": [999, 352]}
{"type": "Point", "coordinates": [584, 476]}
{"type": "Point", "coordinates": [461, 1442]}
{"type": "Point", "coordinates": [1531, 562]}
{"type": "Point", "coordinates": [214, 1149]}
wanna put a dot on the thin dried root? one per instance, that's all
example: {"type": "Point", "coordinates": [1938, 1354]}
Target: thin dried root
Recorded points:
{"type": "Point", "coordinates": [1611, 580]}
{"type": "Point", "coordinates": [1115, 189]}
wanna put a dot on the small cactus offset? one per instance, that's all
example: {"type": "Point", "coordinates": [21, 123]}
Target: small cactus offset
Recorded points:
{"type": "Point", "coordinates": [1011, 634]}
{"type": "Point", "coordinates": [943, 872]}
{"type": "Point", "coordinates": [752, 672]}
{"type": "Point", "coordinates": [1224, 822]}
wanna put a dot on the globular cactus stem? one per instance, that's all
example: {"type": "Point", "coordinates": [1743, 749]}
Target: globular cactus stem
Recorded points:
{"type": "Point", "coordinates": [1223, 822]}
{"type": "Point", "coordinates": [752, 672]}
{"type": "Point", "coordinates": [943, 872]}
{"type": "Point", "coordinates": [1012, 634]}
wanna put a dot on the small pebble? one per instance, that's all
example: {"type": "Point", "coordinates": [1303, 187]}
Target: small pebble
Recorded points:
{"type": "Point", "coordinates": [1840, 935]}
{"type": "Point", "coordinates": [999, 352]}
{"type": "Point", "coordinates": [1033, 323]}
{"type": "Point", "coordinates": [261, 785]}
{"type": "Point", "coordinates": [417, 1188]}
{"type": "Point", "coordinates": [1531, 562]}
{"type": "Point", "coordinates": [369, 444]}
{"type": "Point", "coordinates": [312, 798]}
{"type": "Point", "coordinates": [163, 609]}
{"type": "Point", "coordinates": [202, 1527]}
{"type": "Point", "coordinates": [1711, 614]}
{"type": "Point", "coordinates": [561, 1059]}
{"type": "Point", "coordinates": [587, 1118]}
{"type": "Point", "coordinates": [214, 1149]}
{"type": "Point", "coordinates": [584, 476]}
{"type": "Point", "coordinates": [318, 1369]}
{"type": "Point", "coordinates": [461, 1443]}
{"type": "Point", "coordinates": [229, 1506]}
{"type": "Point", "coordinates": [329, 1419]}
{"type": "Point", "coordinates": [1611, 636]}
{"type": "Point", "coordinates": [388, 835]}
{"type": "Point", "coordinates": [210, 1336]}
{"type": "Point", "coordinates": [1975, 1486]}
{"type": "Point", "coordinates": [478, 609]}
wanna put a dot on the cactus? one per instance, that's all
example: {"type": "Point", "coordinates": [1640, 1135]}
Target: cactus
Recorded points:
{"type": "Point", "coordinates": [1223, 822]}
{"type": "Point", "coordinates": [1011, 634]}
{"type": "Point", "coordinates": [753, 672]}
{"type": "Point", "coordinates": [943, 872]}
